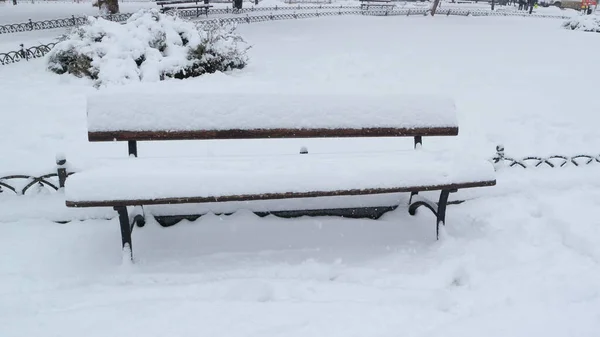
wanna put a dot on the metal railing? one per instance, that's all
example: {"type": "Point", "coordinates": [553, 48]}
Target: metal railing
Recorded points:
{"type": "Point", "coordinates": [75, 21]}
{"type": "Point", "coordinates": [56, 23]}
{"type": "Point", "coordinates": [22, 183]}
{"type": "Point", "coordinates": [553, 161]}
{"type": "Point", "coordinates": [41, 50]}
{"type": "Point", "coordinates": [25, 53]}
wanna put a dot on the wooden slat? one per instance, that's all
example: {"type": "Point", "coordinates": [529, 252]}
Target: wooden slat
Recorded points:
{"type": "Point", "coordinates": [271, 196]}
{"type": "Point", "coordinates": [108, 136]}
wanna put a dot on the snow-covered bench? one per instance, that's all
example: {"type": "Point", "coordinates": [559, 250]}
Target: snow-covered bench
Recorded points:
{"type": "Point", "coordinates": [366, 4]}
{"type": "Point", "coordinates": [133, 181]}
{"type": "Point", "coordinates": [200, 6]}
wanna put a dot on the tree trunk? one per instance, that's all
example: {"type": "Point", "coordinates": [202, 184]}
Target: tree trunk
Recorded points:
{"type": "Point", "coordinates": [110, 6]}
{"type": "Point", "coordinates": [434, 7]}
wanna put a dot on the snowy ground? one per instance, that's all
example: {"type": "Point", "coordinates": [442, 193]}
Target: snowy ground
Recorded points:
{"type": "Point", "coordinates": [519, 259]}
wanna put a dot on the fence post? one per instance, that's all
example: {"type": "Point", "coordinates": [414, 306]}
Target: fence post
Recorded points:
{"type": "Point", "coordinates": [408, 13]}
{"type": "Point", "coordinates": [74, 21]}
{"type": "Point", "coordinates": [23, 53]}
{"type": "Point", "coordinates": [30, 24]}
{"type": "Point", "coordinates": [61, 169]}
{"type": "Point", "coordinates": [499, 157]}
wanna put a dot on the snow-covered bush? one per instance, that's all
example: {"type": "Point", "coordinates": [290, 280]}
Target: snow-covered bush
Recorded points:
{"type": "Point", "coordinates": [588, 23]}
{"type": "Point", "coordinates": [148, 47]}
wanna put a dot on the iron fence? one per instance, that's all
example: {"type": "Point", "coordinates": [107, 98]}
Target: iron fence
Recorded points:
{"type": "Point", "coordinates": [25, 53]}
{"type": "Point", "coordinates": [41, 50]}
{"type": "Point", "coordinates": [553, 161]}
{"type": "Point", "coordinates": [75, 21]}
{"type": "Point", "coordinates": [22, 184]}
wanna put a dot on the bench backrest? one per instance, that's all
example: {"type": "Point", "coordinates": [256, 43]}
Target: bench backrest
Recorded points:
{"type": "Point", "coordinates": [185, 116]}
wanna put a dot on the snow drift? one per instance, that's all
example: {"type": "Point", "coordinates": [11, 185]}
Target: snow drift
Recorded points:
{"type": "Point", "coordinates": [148, 47]}
{"type": "Point", "coordinates": [587, 23]}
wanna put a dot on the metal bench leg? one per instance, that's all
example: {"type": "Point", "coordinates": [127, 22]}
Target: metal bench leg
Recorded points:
{"type": "Point", "coordinates": [126, 229]}
{"type": "Point", "coordinates": [441, 212]}
{"type": "Point", "coordinates": [439, 209]}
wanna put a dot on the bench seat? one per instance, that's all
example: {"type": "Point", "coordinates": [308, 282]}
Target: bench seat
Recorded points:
{"type": "Point", "coordinates": [148, 181]}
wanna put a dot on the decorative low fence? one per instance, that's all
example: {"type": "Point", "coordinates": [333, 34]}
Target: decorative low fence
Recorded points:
{"type": "Point", "coordinates": [20, 184]}
{"type": "Point", "coordinates": [56, 23]}
{"type": "Point", "coordinates": [554, 161]}
{"type": "Point", "coordinates": [25, 53]}
{"type": "Point", "coordinates": [41, 50]}
{"type": "Point", "coordinates": [23, 184]}
{"type": "Point", "coordinates": [75, 21]}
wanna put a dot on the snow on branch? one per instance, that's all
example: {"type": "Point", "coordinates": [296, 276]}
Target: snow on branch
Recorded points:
{"type": "Point", "coordinates": [587, 23]}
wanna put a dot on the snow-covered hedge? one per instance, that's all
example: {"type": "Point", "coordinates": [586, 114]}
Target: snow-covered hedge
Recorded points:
{"type": "Point", "coordinates": [148, 47]}
{"type": "Point", "coordinates": [588, 23]}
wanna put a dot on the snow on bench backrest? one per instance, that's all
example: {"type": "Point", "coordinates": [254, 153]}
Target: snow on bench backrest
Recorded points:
{"type": "Point", "coordinates": [186, 112]}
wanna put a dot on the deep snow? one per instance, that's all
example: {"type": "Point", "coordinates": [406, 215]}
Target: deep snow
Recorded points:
{"type": "Point", "coordinates": [518, 259]}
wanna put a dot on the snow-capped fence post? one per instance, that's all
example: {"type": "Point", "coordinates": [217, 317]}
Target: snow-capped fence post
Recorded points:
{"type": "Point", "coordinates": [30, 24]}
{"type": "Point", "coordinates": [23, 53]}
{"type": "Point", "coordinates": [498, 159]}
{"type": "Point", "coordinates": [61, 170]}
{"type": "Point", "coordinates": [74, 21]}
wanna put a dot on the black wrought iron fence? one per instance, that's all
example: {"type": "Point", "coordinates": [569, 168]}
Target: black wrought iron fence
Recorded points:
{"type": "Point", "coordinates": [56, 23]}
{"type": "Point", "coordinates": [553, 161]}
{"type": "Point", "coordinates": [25, 53]}
{"type": "Point", "coordinates": [41, 50]}
{"type": "Point", "coordinates": [22, 184]}
{"type": "Point", "coordinates": [75, 21]}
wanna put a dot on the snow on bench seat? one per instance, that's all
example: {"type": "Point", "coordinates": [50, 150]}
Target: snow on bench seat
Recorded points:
{"type": "Point", "coordinates": [146, 181]}
{"type": "Point", "coordinates": [111, 116]}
